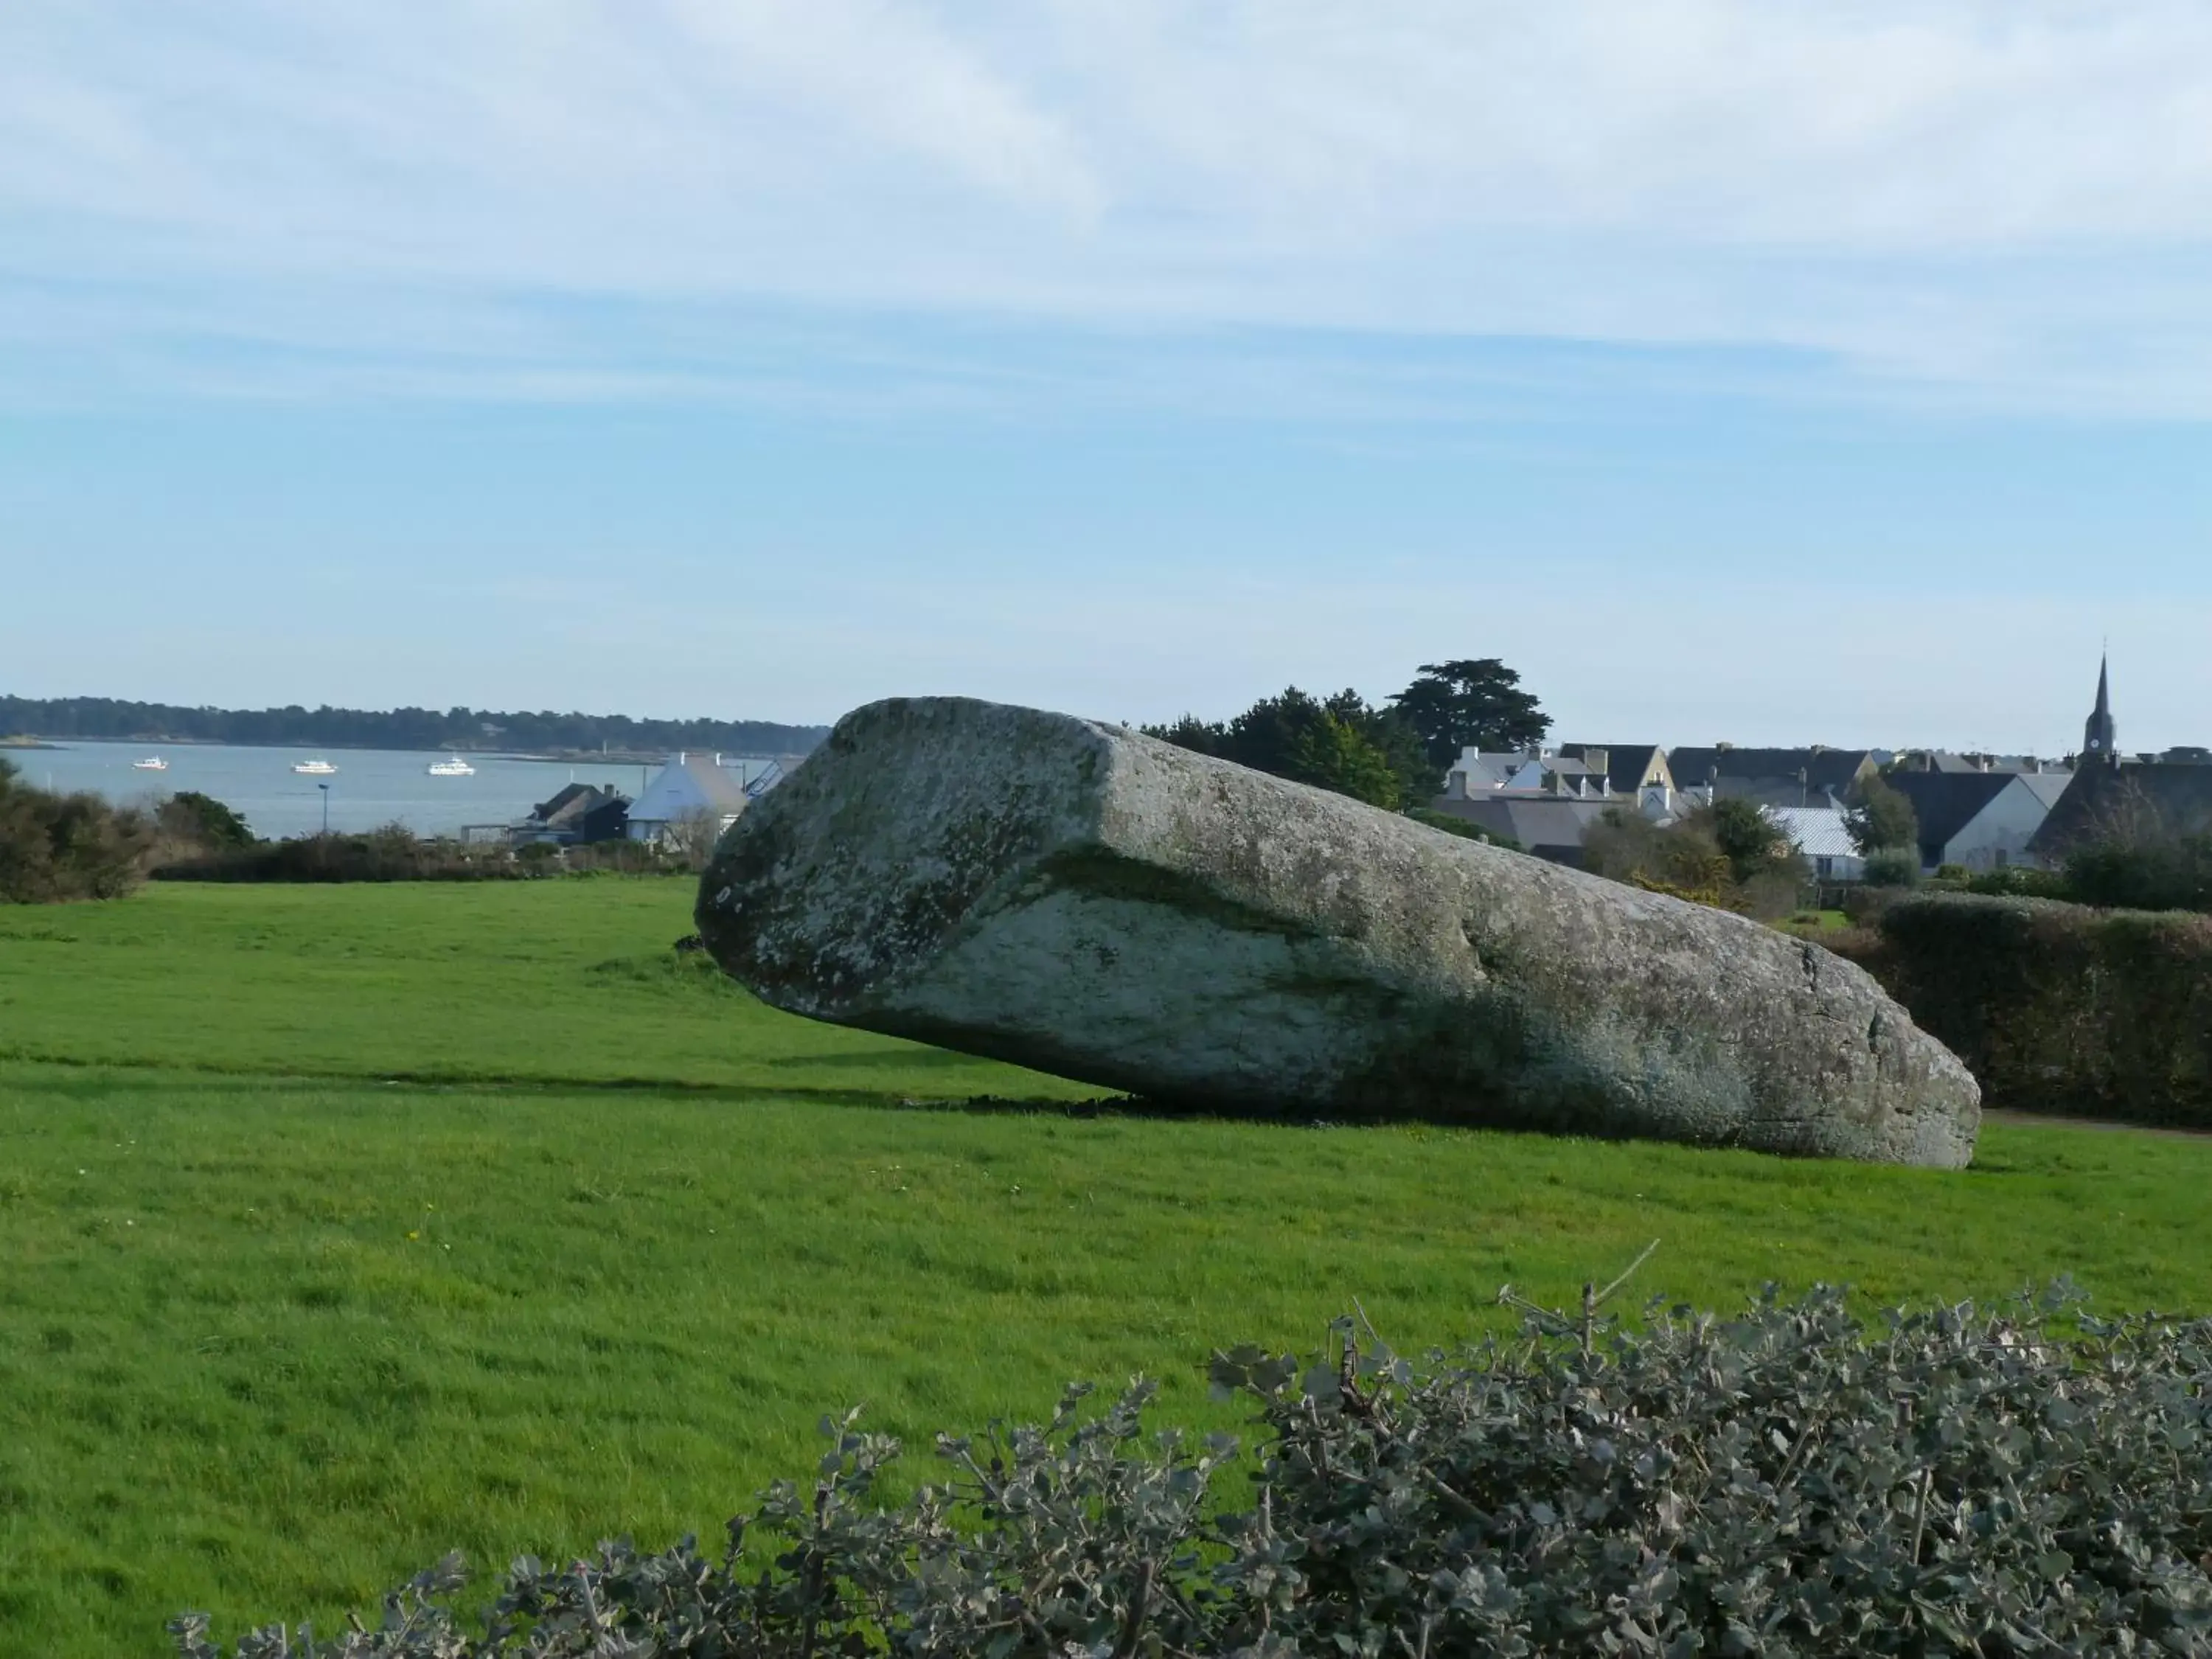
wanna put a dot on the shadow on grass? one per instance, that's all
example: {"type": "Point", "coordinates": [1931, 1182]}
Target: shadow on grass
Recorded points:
{"type": "Point", "coordinates": [60, 1074]}
{"type": "Point", "coordinates": [82, 1079]}
{"type": "Point", "coordinates": [886, 1058]}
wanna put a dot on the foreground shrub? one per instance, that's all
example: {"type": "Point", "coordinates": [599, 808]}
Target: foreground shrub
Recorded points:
{"type": "Point", "coordinates": [57, 848]}
{"type": "Point", "coordinates": [2056, 1007]}
{"type": "Point", "coordinates": [2017, 881]}
{"type": "Point", "coordinates": [2146, 872]}
{"type": "Point", "coordinates": [1892, 867]}
{"type": "Point", "coordinates": [1785, 1482]}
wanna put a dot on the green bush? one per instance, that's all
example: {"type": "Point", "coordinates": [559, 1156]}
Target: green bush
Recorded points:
{"type": "Point", "coordinates": [2017, 882]}
{"type": "Point", "coordinates": [1452, 825]}
{"type": "Point", "coordinates": [1892, 867]}
{"type": "Point", "coordinates": [54, 848]}
{"type": "Point", "coordinates": [1730, 853]}
{"type": "Point", "coordinates": [2057, 1007]}
{"type": "Point", "coordinates": [2151, 873]}
{"type": "Point", "coordinates": [1789, 1481]}
{"type": "Point", "coordinates": [202, 821]}
{"type": "Point", "coordinates": [393, 853]}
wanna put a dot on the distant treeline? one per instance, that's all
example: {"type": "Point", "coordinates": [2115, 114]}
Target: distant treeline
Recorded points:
{"type": "Point", "coordinates": [62, 718]}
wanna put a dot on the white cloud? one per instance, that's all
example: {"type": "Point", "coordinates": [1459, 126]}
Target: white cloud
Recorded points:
{"type": "Point", "coordinates": [2008, 198]}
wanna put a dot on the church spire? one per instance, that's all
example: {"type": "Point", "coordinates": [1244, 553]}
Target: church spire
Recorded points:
{"type": "Point", "coordinates": [2101, 737]}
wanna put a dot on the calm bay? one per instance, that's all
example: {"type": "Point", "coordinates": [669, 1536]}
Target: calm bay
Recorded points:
{"type": "Point", "coordinates": [370, 787]}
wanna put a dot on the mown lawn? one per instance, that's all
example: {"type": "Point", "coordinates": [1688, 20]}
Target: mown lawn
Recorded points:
{"type": "Point", "coordinates": [559, 982]}
{"type": "Point", "coordinates": [275, 1331]}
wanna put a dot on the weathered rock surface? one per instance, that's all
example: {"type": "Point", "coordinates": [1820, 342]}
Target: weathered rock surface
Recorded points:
{"type": "Point", "coordinates": [1082, 899]}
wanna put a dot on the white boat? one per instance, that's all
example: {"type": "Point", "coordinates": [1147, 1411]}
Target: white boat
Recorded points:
{"type": "Point", "coordinates": [314, 769]}
{"type": "Point", "coordinates": [151, 763]}
{"type": "Point", "coordinates": [451, 767]}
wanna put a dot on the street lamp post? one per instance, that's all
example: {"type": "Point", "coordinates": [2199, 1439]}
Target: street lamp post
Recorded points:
{"type": "Point", "coordinates": [325, 788]}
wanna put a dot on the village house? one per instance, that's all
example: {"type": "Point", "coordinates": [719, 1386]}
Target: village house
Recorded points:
{"type": "Point", "coordinates": [1822, 837]}
{"type": "Point", "coordinates": [1816, 776]}
{"type": "Point", "coordinates": [1574, 771]}
{"type": "Point", "coordinates": [2168, 794]}
{"type": "Point", "coordinates": [1545, 800]}
{"type": "Point", "coordinates": [690, 788]}
{"type": "Point", "coordinates": [2127, 799]}
{"type": "Point", "coordinates": [579, 814]}
{"type": "Point", "coordinates": [1981, 820]}
{"type": "Point", "coordinates": [1629, 769]}
{"type": "Point", "coordinates": [1550, 827]}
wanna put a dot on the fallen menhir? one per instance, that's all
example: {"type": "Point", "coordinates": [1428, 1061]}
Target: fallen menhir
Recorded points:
{"type": "Point", "coordinates": [1077, 897]}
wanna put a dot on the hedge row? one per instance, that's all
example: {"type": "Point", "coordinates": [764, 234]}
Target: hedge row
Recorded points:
{"type": "Point", "coordinates": [1788, 1482]}
{"type": "Point", "coordinates": [2057, 1007]}
{"type": "Point", "coordinates": [396, 854]}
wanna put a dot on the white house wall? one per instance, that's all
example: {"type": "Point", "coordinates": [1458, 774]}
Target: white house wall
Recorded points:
{"type": "Point", "coordinates": [1998, 834]}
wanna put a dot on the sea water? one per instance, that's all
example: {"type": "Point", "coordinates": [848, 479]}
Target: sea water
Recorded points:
{"type": "Point", "coordinates": [372, 787]}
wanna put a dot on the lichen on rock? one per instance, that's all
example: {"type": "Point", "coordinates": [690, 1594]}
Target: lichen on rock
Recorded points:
{"type": "Point", "coordinates": [1075, 896]}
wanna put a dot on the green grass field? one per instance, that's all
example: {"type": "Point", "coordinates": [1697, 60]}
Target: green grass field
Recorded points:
{"type": "Point", "coordinates": [341, 1226]}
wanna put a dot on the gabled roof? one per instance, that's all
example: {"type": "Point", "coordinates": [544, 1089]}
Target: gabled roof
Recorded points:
{"type": "Point", "coordinates": [1493, 768]}
{"type": "Point", "coordinates": [1548, 827]}
{"type": "Point", "coordinates": [571, 803]}
{"type": "Point", "coordinates": [1945, 759]}
{"type": "Point", "coordinates": [563, 799]}
{"type": "Point", "coordinates": [1946, 802]}
{"type": "Point", "coordinates": [1827, 770]}
{"type": "Point", "coordinates": [1818, 831]}
{"type": "Point", "coordinates": [2178, 799]}
{"type": "Point", "coordinates": [1626, 764]}
{"type": "Point", "coordinates": [688, 783]}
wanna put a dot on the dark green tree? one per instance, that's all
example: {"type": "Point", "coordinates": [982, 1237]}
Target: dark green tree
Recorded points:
{"type": "Point", "coordinates": [1474, 703]}
{"type": "Point", "coordinates": [1420, 780]}
{"type": "Point", "coordinates": [1882, 819]}
{"type": "Point", "coordinates": [1299, 737]}
{"type": "Point", "coordinates": [1752, 843]}
{"type": "Point", "coordinates": [190, 815]}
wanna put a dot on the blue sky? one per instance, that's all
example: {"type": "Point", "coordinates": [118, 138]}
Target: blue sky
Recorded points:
{"type": "Point", "coordinates": [1735, 368]}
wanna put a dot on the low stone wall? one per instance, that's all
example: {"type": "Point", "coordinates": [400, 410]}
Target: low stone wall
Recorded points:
{"type": "Point", "coordinates": [2057, 1007]}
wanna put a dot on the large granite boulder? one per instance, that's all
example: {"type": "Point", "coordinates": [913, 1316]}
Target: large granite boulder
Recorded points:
{"type": "Point", "coordinates": [1082, 899]}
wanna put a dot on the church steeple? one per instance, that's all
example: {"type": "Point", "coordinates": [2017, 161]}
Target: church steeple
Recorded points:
{"type": "Point", "coordinates": [2100, 738]}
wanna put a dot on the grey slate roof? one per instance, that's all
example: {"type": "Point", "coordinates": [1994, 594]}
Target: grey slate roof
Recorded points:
{"type": "Point", "coordinates": [1626, 764]}
{"type": "Point", "coordinates": [569, 804]}
{"type": "Point", "coordinates": [1828, 771]}
{"type": "Point", "coordinates": [1946, 802]}
{"type": "Point", "coordinates": [1819, 832]}
{"type": "Point", "coordinates": [2178, 799]}
{"type": "Point", "coordinates": [1550, 828]}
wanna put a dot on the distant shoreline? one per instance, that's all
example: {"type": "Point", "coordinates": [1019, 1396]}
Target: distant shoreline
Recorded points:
{"type": "Point", "coordinates": [549, 758]}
